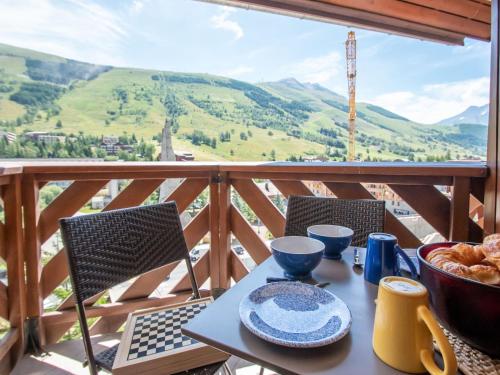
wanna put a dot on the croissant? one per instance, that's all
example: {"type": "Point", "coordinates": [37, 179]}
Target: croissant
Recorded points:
{"type": "Point", "coordinates": [491, 251]}
{"type": "Point", "coordinates": [480, 263]}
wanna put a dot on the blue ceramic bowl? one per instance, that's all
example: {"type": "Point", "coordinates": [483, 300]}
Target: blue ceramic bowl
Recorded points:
{"type": "Point", "coordinates": [335, 237]}
{"type": "Point", "coordinates": [297, 255]}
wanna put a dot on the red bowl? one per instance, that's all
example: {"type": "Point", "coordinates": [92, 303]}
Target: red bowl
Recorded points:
{"type": "Point", "coordinates": [467, 308]}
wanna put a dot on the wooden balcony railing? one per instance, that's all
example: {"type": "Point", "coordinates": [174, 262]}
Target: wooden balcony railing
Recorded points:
{"type": "Point", "coordinates": [33, 278]}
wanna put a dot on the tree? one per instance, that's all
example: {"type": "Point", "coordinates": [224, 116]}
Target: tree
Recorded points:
{"type": "Point", "coordinates": [59, 124]}
{"type": "Point", "coordinates": [243, 136]}
{"type": "Point", "coordinates": [272, 155]}
{"type": "Point", "coordinates": [214, 143]}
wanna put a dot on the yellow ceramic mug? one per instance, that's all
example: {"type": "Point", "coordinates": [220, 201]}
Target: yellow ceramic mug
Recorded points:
{"type": "Point", "coordinates": [404, 327]}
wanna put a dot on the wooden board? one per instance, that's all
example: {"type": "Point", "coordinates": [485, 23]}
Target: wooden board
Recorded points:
{"type": "Point", "coordinates": [153, 343]}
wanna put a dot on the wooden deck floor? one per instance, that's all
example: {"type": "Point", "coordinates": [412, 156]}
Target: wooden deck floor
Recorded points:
{"type": "Point", "coordinates": [66, 358]}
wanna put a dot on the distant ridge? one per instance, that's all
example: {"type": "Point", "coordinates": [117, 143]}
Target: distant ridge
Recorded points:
{"type": "Point", "coordinates": [472, 115]}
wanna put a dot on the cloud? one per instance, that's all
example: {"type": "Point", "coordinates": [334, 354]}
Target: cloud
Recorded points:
{"type": "Point", "coordinates": [136, 6]}
{"type": "Point", "coordinates": [320, 69]}
{"type": "Point", "coordinates": [238, 71]}
{"type": "Point", "coordinates": [435, 102]}
{"type": "Point", "coordinates": [77, 29]}
{"type": "Point", "coordinates": [222, 21]}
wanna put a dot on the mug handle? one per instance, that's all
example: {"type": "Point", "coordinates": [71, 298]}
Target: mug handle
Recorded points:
{"type": "Point", "coordinates": [427, 356]}
{"type": "Point", "coordinates": [408, 261]}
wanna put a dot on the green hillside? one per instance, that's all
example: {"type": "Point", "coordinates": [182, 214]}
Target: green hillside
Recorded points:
{"type": "Point", "coordinates": [215, 118]}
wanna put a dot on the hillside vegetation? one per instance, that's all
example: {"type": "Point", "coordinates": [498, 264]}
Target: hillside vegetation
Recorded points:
{"type": "Point", "coordinates": [215, 118]}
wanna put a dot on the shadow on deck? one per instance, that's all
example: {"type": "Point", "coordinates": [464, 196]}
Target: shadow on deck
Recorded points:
{"type": "Point", "coordinates": [66, 358]}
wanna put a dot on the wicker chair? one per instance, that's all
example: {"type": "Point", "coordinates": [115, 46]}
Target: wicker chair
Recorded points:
{"type": "Point", "coordinates": [108, 248]}
{"type": "Point", "coordinates": [363, 216]}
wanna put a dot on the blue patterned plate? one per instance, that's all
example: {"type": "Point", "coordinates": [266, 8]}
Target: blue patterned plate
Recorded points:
{"type": "Point", "coordinates": [295, 314]}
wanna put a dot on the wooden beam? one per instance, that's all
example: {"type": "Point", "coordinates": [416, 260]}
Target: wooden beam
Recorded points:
{"type": "Point", "coordinates": [110, 309]}
{"type": "Point", "coordinates": [463, 8]}
{"type": "Point", "coordinates": [13, 243]}
{"type": "Point", "coordinates": [187, 192]}
{"type": "Point", "coordinates": [224, 270]}
{"type": "Point", "coordinates": [243, 231]}
{"type": "Point", "coordinates": [420, 15]}
{"type": "Point", "coordinates": [492, 185]}
{"type": "Point", "coordinates": [67, 204]}
{"type": "Point", "coordinates": [214, 224]}
{"type": "Point", "coordinates": [343, 177]}
{"type": "Point", "coordinates": [134, 194]}
{"type": "Point", "coordinates": [201, 270]}
{"type": "Point", "coordinates": [459, 215]}
{"type": "Point", "coordinates": [238, 268]}
{"type": "Point", "coordinates": [272, 218]}
{"type": "Point", "coordinates": [435, 208]}
{"type": "Point", "coordinates": [7, 342]}
{"type": "Point", "coordinates": [348, 16]}
{"type": "Point", "coordinates": [32, 246]}
{"type": "Point", "coordinates": [4, 302]}
{"type": "Point", "coordinates": [288, 188]}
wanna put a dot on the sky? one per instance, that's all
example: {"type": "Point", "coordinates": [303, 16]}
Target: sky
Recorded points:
{"type": "Point", "coordinates": [423, 81]}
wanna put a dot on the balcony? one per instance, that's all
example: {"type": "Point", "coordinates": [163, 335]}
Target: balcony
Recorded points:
{"type": "Point", "coordinates": [449, 197]}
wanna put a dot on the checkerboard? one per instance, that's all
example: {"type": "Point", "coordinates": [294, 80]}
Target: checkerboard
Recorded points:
{"type": "Point", "coordinates": [161, 331]}
{"type": "Point", "coordinates": [153, 344]}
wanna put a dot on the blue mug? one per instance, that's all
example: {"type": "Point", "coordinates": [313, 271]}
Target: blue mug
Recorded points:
{"type": "Point", "coordinates": [382, 258]}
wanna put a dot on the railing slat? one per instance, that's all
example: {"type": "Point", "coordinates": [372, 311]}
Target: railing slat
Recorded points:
{"type": "Point", "coordinates": [4, 302]}
{"type": "Point", "coordinates": [32, 246]}
{"type": "Point", "coordinates": [7, 342]}
{"type": "Point", "coordinates": [223, 270]}
{"type": "Point", "coordinates": [54, 333]}
{"type": "Point", "coordinates": [288, 188]}
{"type": "Point", "coordinates": [134, 194]}
{"type": "Point", "coordinates": [272, 218]}
{"type": "Point", "coordinates": [238, 268]}
{"type": "Point", "coordinates": [67, 204]}
{"type": "Point", "coordinates": [429, 202]}
{"type": "Point", "coordinates": [247, 237]}
{"type": "Point", "coordinates": [459, 223]}
{"type": "Point", "coordinates": [14, 257]}
{"type": "Point", "coordinates": [3, 251]}
{"type": "Point", "coordinates": [393, 225]}
{"type": "Point", "coordinates": [117, 308]}
{"type": "Point", "coordinates": [187, 192]}
{"type": "Point", "coordinates": [201, 270]}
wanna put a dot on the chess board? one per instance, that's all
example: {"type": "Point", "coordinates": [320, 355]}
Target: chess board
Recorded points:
{"type": "Point", "coordinates": [153, 342]}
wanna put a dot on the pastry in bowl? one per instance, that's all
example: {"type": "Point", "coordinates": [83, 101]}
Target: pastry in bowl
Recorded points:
{"type": "Point", "coordinates": [464, 290]}
{"type": "Point", "coordinates": [480, 263]}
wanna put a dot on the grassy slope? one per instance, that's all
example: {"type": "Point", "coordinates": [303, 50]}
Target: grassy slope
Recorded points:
{"type": "Point", "coordinates": [87, 105]}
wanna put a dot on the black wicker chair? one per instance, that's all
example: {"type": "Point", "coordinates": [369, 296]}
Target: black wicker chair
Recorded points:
{"type": "Point", "coordinates": [363, 216]}
{"type": "Point", "coordinates": [108, 248]}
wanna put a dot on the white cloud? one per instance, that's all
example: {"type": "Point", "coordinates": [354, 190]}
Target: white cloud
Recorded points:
{"type": "Point", "coordinates": [320, 69]}
{"type": "Point", "coordinates": [222, 21]}
{"type": "Point", "coordinates": [435, 102]}
{"type": "Point", "coordinates": [238, 71]}
{"type": "Point", "coordinates": [136, 6]}
{"type": "Point", "coordinates": [76, 29]}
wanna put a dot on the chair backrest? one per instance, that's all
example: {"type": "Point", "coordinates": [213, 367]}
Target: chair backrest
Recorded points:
{"type": "Point", "coordinates": [108, 248]}
{"type": "Point", "coordinates": [363, 216]}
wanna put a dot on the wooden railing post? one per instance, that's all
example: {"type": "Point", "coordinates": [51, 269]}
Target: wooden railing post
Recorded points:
{"type": "Point", "coordinates": [33, 256]}
{"type": "Point", "coordinates": [224, 231]}
{"type": "Point", "coordinates": [215, 250]}
{"type": "Point", "coordinates": [15, 262]}
{"type": "Point", "coordinates": [459, 213]}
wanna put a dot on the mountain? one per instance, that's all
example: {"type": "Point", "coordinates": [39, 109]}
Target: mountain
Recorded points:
{"type": "Point", "coordinates": [472, 115]}
{"type": "Point", "coordinates": [214, 117]}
